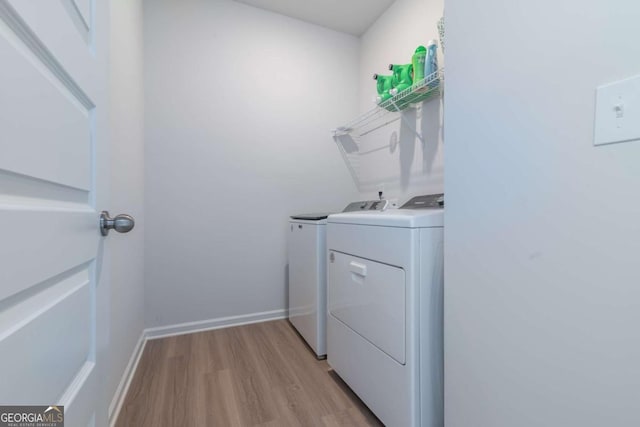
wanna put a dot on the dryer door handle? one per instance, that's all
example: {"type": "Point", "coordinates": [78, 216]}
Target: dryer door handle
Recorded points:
{"type": "Point", "coordinates": [357, 268]}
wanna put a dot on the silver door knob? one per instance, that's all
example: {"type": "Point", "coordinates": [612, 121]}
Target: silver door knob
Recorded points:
{"type": "Point", "coordinates": [122, 223]}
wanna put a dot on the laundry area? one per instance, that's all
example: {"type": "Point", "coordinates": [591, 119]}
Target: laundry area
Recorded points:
{"type": "Point", "coordinates": [403, 213]}
{"type": "Point", "coordinates": [346, 152]}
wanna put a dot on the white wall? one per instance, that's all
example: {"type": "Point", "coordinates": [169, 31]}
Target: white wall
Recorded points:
{"type": "Point", "coordinates": [413, 168]}
{"type": "Point", "coordinates": [127, 187]}
{"type": "Point", "coordinates": [239, 105]}
{"type": "Point", "coordinates": [542, 303]}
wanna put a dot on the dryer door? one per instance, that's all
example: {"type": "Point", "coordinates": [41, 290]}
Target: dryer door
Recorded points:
{"type": "Point", "coordinates": [369, 298]}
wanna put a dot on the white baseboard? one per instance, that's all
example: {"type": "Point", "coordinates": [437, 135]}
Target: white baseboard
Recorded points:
{"type": "Point", "coordinates": [207, 325]}
{"type": "Point", "coordinates": [179, 329]}
{"type": "Point", "coordinates": [125, 381]}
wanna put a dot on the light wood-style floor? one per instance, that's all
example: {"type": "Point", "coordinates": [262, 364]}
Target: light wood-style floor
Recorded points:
{"type": "Point", "coordinates": [253, 375]}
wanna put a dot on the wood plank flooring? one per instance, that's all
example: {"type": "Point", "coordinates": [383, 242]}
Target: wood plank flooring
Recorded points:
{"type": "Point", "coordinates": [254, 375]}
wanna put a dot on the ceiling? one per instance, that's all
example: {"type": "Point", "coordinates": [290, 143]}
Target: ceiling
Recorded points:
{"type": "Point", "coordinates": [348, 16]}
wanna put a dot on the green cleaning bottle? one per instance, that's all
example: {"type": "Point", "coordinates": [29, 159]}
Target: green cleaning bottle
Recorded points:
{"type": "Point", "coordinates": [384, 86]}
{"type": "Point", "coordinates": [418, 60]}
{"type": "Point", "coordinates": [403, 75]}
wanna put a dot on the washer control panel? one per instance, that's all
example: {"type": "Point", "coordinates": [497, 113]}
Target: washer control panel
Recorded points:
{"type": "Point", "coordinates": [367, 205]}
{"type": "Point", "coordinates": [430, 201]}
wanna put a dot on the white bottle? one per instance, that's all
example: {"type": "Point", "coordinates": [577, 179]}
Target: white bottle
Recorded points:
{"type": "Point", "coordinates": [431, 64]}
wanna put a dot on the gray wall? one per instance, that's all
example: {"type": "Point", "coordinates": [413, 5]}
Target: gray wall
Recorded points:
{"type": "Point", "coordinates": [239, 104]}
{"type": "Point", "coordinates": [542, 303]}
{"type": "Point", "coordinates": [127, 187]}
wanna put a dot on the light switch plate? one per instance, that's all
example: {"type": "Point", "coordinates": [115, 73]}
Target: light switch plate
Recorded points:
{"type": "Point", "coordinates": [618, 112]}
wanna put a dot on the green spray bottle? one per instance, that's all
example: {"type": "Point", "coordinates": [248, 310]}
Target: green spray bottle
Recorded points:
{"type": "Point", "coordinates": [418, 60]}
{"type": "Point", "coordinates": [384, 86]}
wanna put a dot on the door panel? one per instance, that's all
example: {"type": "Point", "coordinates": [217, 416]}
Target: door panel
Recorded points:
{"type": "Point", "coordinates": [66, 47]}
{"type": "Point", "coordinates": [81, 18]}
{"type": "Point", "coordinates": [59, 239]}
{"type": "Point", "coordinates": [59, 314]}
{"type": "Point", "coordinates": [369, 297]}
{"type": "Point", "coordinates": [53, 297]}
{"type": "Point", "coordinates": [47, 120]}
{"type": "Point", "coordinates": [84, 9]}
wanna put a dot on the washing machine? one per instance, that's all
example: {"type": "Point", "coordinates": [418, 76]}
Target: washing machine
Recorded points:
{"type": "Point", "coordinates": [385, 299]}
{"type": "Point", "coordinates": [307, 279]}
{"type": "Point", "coordinates": [307, 273]}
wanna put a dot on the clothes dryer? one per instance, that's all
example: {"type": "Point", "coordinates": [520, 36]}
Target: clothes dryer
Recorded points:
{"type": "Point", "coordinates": [385, 299]}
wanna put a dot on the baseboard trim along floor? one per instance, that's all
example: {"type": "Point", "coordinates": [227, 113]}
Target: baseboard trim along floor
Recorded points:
{"type": "Point", "coordinates": [125, 381]}
{"type": "Point", "coordinates": [180, 329]}
{"type": "Point", "coordinates": [207, 325]}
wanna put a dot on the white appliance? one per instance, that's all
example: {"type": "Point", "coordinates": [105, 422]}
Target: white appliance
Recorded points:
{"type": "Point", "coordinates": [308, 273]}
{"type": "Point", "coordinates": [385, 298]}
{"type": "Point", "coordinates": [307, 279]}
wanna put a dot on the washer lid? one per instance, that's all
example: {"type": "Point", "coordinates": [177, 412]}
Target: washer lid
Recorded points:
{"type": "Point", "coordinates": [311, 216]}
{"type": "Point", "coordinates": [403, 218]}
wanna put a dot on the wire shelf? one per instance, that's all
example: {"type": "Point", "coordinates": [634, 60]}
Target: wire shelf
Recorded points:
{"type": "Point", "coordinates": [349, 137]}
{"type": "Point", "coordinates": [429, 88]}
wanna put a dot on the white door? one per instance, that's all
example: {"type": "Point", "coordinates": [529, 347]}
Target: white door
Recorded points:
{"type": "Point", "coordinates": [53, 136]}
